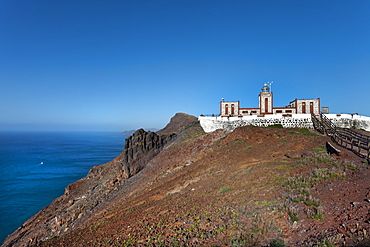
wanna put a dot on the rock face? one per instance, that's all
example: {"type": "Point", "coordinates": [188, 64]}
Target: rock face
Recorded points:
{"type": "Point", "coordinates": [140, 148]}
{"type": "Point", "coordinates": [83, 197]}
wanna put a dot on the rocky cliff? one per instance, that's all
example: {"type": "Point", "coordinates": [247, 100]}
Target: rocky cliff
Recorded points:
{"type": "Point", "coordinates": [85, 196]}
{"type": "Point", "coordinates": [141, 147]}
{"type": "Point", "coordinates": [254, 186]}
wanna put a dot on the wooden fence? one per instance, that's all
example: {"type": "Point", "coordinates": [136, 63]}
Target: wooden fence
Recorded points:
{"type": "Point", "coordinates": [347, 138]}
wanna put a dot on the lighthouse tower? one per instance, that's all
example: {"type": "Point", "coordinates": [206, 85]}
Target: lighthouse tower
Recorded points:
{"type": "Point", "coordinates": [265, 100]}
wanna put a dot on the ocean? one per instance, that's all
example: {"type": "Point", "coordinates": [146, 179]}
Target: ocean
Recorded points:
{"type": "Point", "coordinates": [35, 168]}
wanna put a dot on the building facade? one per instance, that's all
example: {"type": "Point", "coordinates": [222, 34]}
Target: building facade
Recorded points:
{"type": "Point", "coordinates": [266, 107]}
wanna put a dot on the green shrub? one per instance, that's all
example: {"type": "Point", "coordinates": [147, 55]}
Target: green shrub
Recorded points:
{"type": "Point", "coordinates": [282, 140]}
{"type": "Point", "coordinates": [306, 132]}
{"type": "Point", "coordinates": [293, 213]}
{"type": "Point", "coordinates": [315, 213]}
{"type": "Point", "coordinates": [310, 201]}
{"type": "Point", "coordinates": [277, 243]}
{"type": "Point", "coordinates": [224, 190]}
{"type": "Point", "coordinates": [320, 150]}
{"type": "Point", "coordinates": [276, 126]}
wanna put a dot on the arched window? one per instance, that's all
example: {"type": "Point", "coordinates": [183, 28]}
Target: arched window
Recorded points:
{"type": "Point", "coordinates": [226, 110]}
{"type": "Point", "coordinates": [311, 107]}
{"type": "Point", "coordinates": [232, 109]}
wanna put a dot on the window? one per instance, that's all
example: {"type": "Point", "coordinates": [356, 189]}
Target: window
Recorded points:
{"type": "Point", "coordinates": [304, 107]}
{"type": "Point", "coordinates": [288, 111]}
{"type": "Point", "coordinates": [266, 105]}
{"type": "Point", "coordinates": [232, 109]}
{"type": "Point", "coordinates": [279, 111]}
{"type": "Point", "coordinates": [226, 109]}
{"type": "Point", "coordinates": [311, 107]}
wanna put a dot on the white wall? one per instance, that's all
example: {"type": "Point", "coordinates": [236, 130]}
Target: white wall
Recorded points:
{"type": "Point", "coordinates": [350, 121]}
{"type": "Point", "coordinates": [210, 124]}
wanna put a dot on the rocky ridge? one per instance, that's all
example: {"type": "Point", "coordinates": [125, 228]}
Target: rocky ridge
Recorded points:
{"type": "Point", "coordinates": [249, 187]}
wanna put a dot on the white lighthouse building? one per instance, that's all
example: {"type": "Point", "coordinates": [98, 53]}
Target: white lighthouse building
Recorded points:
{"type": "Point", "coordinates": [296, 114]}
{"type": "Point", "coordinates": [266, 106]}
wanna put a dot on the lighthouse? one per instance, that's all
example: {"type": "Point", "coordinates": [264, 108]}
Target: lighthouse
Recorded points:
{"type": "Point", "coordinates": [265, 100]}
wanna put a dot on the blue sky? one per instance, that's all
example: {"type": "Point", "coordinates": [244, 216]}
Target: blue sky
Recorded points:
{"type": "Point", "coordinates": [118, 65]}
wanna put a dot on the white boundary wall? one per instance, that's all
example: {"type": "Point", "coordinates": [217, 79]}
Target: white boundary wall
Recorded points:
{"type": "Point", "coordinates": [210, 124]}
{"type": "Point", "coordinates": [350, 121]}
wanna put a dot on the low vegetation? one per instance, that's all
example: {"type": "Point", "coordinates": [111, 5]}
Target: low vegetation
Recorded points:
{"type": "Point", "coordinates": [321, 168]}
{"type": "Point", "coordinates": [251, 187]}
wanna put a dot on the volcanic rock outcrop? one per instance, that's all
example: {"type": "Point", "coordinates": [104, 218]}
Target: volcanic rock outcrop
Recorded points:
{"type": "Point", "coordinates": [140, 148]}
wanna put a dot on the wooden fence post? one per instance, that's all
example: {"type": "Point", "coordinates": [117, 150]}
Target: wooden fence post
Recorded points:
{"type": "Point", "coordinates": [359, 145]}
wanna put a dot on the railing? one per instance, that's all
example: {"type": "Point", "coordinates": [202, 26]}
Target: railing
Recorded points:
{"type": "Point", "coordinates": [209, 115]}
{"type": "Point", "coordinates": [347, 138]}
{"type": "Point", "coordinates": [318, 124]}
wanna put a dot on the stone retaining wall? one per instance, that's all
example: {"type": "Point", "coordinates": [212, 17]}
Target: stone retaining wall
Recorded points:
{"type": "Point", "coordinates": [210, 124]}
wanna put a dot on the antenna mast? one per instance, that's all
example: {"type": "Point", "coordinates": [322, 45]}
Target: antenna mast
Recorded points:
{"type": "Point", "coordinates": [270, 84]}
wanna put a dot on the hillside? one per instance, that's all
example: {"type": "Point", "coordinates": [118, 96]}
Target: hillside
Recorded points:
{"type": "Point", "coordinates": [181, 186]}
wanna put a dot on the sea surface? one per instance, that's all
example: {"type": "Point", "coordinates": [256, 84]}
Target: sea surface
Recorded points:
{"type": "Point", "coordinates": [35, 168]}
